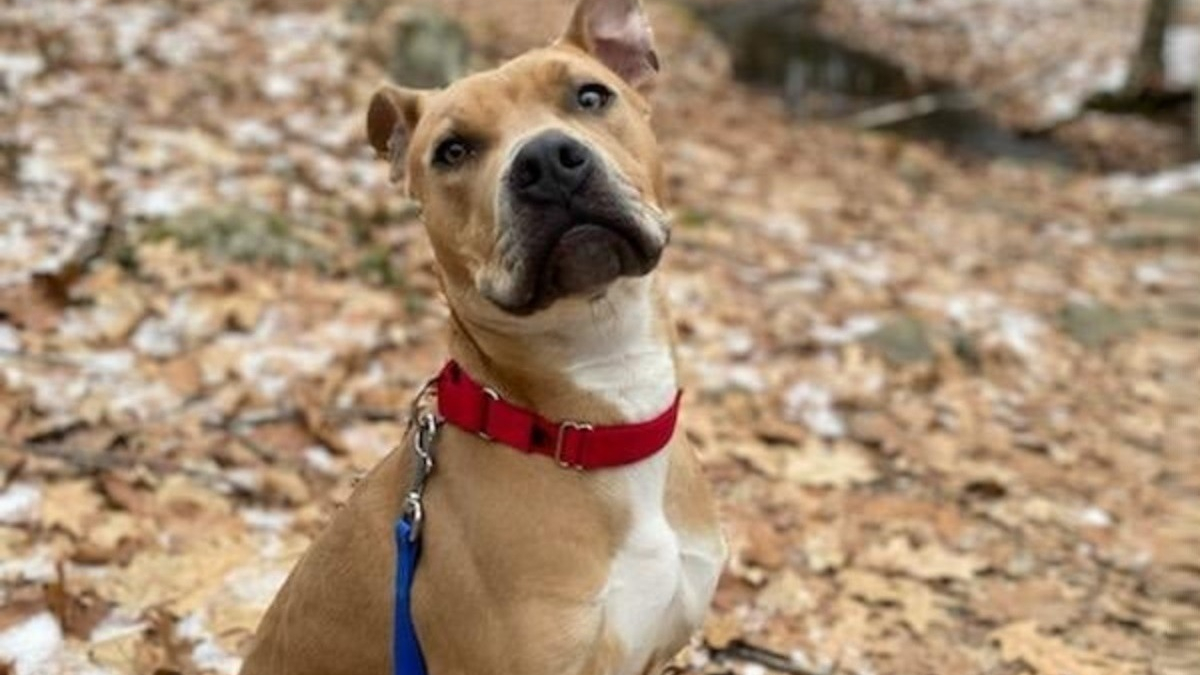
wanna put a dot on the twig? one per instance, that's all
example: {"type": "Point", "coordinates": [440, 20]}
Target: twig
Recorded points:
{"type": "Point", "coordinates": [90, 462]}
{"type": "Point", "coordinates": [739, 650]}
{"type": "Point", "coordinates": [901, 111]}
{"type": "Point", "coordinates": [263, 417]}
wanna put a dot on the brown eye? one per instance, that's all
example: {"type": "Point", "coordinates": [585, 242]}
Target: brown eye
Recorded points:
{"type": "Point", "coordinates": [452, 152]}
{"type": "Point", "coordinates": [594, 97]}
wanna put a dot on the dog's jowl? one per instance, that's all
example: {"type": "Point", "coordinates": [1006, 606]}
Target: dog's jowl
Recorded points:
{"type": "Point", "coordinates": [566, 528]}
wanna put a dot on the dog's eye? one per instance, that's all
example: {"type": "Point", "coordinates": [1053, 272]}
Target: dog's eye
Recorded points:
{"type": "Point", "coordinates": [594, 97]}
{"type": "Point", "coordinates": [452, 152]}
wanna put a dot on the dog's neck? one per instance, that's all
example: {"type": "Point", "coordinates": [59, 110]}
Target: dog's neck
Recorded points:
{"type": "Point", "coordinates": [613, 362]}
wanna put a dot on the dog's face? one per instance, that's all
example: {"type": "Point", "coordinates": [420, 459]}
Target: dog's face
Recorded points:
{"type": "Point", "coordinates": [541, 180]}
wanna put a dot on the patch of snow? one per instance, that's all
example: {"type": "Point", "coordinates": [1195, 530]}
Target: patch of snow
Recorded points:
{"type": "Point", "coordinates": [1129, 188]}
{"type": "Point", "coordinates": [10, 339]}
{"type": "Point", "coordinates": [851, 330]}
{"type": "Point", "coordinates": [184, 324]}
{"type": "Point", "coordinates": [189, 42]}
{"type": "Point", "coordinates": [1181, 57]}
{"type": "Point", "coordinates": [253, 133]}
{"type": "Point", "coordinates": [112, 363]}
{"type": "Point", "coordinates": [139, 402]}
{"type": "Point", "coordinates": [37, 567]}
{"type": "Point", "coordinates": [130, 25]}
{"type": "Point", "coordinates": [39, 168]}
{"type": "Point", "coordinates": [279, 85]}
{"type": "Point", "coordinates": [273, 368]}
{"type": "Point", "coordinates": [861, 262]}
{"type": "Point", "coordinates": [115, 626]}
{"type": "Point", "coordinates": [249, 480]}
{"type": "Point", "coordinates": [1094, 516]}
{"type": "Point", "coordinates": [30, 644]}
{"type": "Point", "coordinates": [813, 406]}
{"type": "Point", "coordinates": [1019, 331]}
{"type": "Point", "coordinates": [371, 439]}
{"type": "Point", "coordinates": [19, 503]}
{"type": "Point", "coordinates": [1073, 235]}
{"type": "Point", "coordinates": [162, 200]}
{"type": "Point", "coordinates": [787, 228]}
{"type": "Point", "coordinates": [206, 653]}
{"type": "Point", "coordinates": [321, 459]}
{"type": "Point", "coordinates": [16, 68]}
{"type": "Point", "coordinates": [255, 585]}
{"type": "Point", "coordinates": [715, 377]}
{"type": "Point", "coordinates": [1151, 275]}
{"type": "Point", "coordinates": [739, 343]}
{"type": "Point", "coordinates": [266, 520]}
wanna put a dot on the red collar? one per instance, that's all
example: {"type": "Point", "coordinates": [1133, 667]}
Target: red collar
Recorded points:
{"type": "Point", "coordinates": [478, 410]}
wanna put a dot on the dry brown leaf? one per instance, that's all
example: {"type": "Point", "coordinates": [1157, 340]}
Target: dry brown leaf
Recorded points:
{"type": "Point", "coordinates": [1021, 642]}
{"type": "Point", "coordinates": [764, 546]}
{"type": "Point", "coordinates": [720, 630]}
{"type": "Point", "coordinates": [180, 581]}
{"type": "Point", "coordinates": [77, 613]}
{"type": "Point", "coordinates": [929, 562]}
{"type": "Point", "coordinates": [820, 465]}
{"type": "Point", "coordinates": [71, 505]}
{"type": "Point", "coordinates": [787, 594]}
{"type": "Point", "coordinates": [917, 602]}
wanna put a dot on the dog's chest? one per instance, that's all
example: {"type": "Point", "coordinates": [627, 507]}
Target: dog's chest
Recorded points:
{"type": "Point", "coordinates": [661, 579]}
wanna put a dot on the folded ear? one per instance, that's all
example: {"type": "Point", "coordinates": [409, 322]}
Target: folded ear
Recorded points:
{"type": "Point", "coordinates": [391, 119]}
{"type": "Point", "coordinates": [616, 33]}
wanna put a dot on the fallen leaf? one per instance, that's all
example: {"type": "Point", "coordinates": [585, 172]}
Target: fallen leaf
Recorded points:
{"type": "Point", "coordinates": [1021, 642]}
{"type": "Point", "coordinates": [930, 561]}
{"type": "Point", "coordinates": [821, 465]}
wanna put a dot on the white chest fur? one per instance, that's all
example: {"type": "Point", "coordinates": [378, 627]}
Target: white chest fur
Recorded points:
{"type": "Point", "coordinates": [662, 579]}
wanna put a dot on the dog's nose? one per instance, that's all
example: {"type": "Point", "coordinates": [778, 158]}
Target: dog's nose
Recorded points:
{"type": "Point", "coordinates": [551, 167]}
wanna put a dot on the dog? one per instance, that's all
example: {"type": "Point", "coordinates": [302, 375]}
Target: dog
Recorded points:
{"type": "Point", "coordinates": [541, 186]}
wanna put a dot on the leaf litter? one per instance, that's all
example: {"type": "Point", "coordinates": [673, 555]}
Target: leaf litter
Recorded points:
{"type": "Point", "coordinates": [949, 423]}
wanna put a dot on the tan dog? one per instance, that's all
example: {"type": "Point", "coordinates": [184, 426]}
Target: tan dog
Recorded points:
{"type": "Point", "coordinates": [542, 187]}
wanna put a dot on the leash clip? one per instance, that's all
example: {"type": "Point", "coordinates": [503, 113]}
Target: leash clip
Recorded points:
{"type": "Point", "coordinates": [424, 428]}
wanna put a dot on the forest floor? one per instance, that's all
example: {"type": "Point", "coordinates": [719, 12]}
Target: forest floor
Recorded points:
{"type": "Point", "coordinates": [949, 406]}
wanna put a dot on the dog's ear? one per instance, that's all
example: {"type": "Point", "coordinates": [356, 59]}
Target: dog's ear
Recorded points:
{"type": "Point", "coordinates": [617, 33]}
{"type": "Point", "coordinates": [391, 118]}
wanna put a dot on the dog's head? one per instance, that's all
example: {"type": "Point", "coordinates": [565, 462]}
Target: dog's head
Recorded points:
{"type": "Point", "coordinates": [540, 181]}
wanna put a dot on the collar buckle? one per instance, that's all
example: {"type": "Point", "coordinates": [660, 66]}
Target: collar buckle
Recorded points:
{"type": "Point", "coordinates": [561, 442]}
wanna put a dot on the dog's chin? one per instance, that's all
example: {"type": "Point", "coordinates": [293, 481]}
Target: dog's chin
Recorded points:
{"type": "Point", "coordinates": [583, 263]}
{"type": "Point", "coordinates": [586, 260]}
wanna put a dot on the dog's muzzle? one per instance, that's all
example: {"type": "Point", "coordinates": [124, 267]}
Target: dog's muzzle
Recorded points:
{"type": "Point", "coordinates": [572, 227]}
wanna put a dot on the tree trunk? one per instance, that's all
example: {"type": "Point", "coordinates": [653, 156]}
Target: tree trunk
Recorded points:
{"type": "Point", "coordinates": [1196, 115]}
{"type": "Point", "coordinates": [1146, 72]}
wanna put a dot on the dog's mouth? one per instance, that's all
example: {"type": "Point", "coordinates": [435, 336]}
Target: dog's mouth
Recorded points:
{"type": "Point", "coordinates": [576, 252]}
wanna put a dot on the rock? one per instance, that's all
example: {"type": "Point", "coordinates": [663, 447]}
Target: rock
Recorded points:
{"type": "Point", "coordinates": [902, 341]}
{"type": "Point", "coordinates": [427, 48]}
{"type": "Point", "coordinates": [1097, 325]}
{"type": "Point", "coordinates": [1183, 206]}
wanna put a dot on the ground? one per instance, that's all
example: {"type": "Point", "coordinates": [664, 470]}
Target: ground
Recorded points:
{"type": "Point", "coordinates": [948, 406]}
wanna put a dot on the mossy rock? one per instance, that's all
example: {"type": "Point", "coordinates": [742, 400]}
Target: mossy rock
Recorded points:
{"type": "Point", "coordinates": [239, 234]}
{"type": "Point", "coordinates": [903, 341]}
{"type": "Point", "coordinates": [429, 49]}
{"type": "Point", "coordinates": [1097, 325]}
